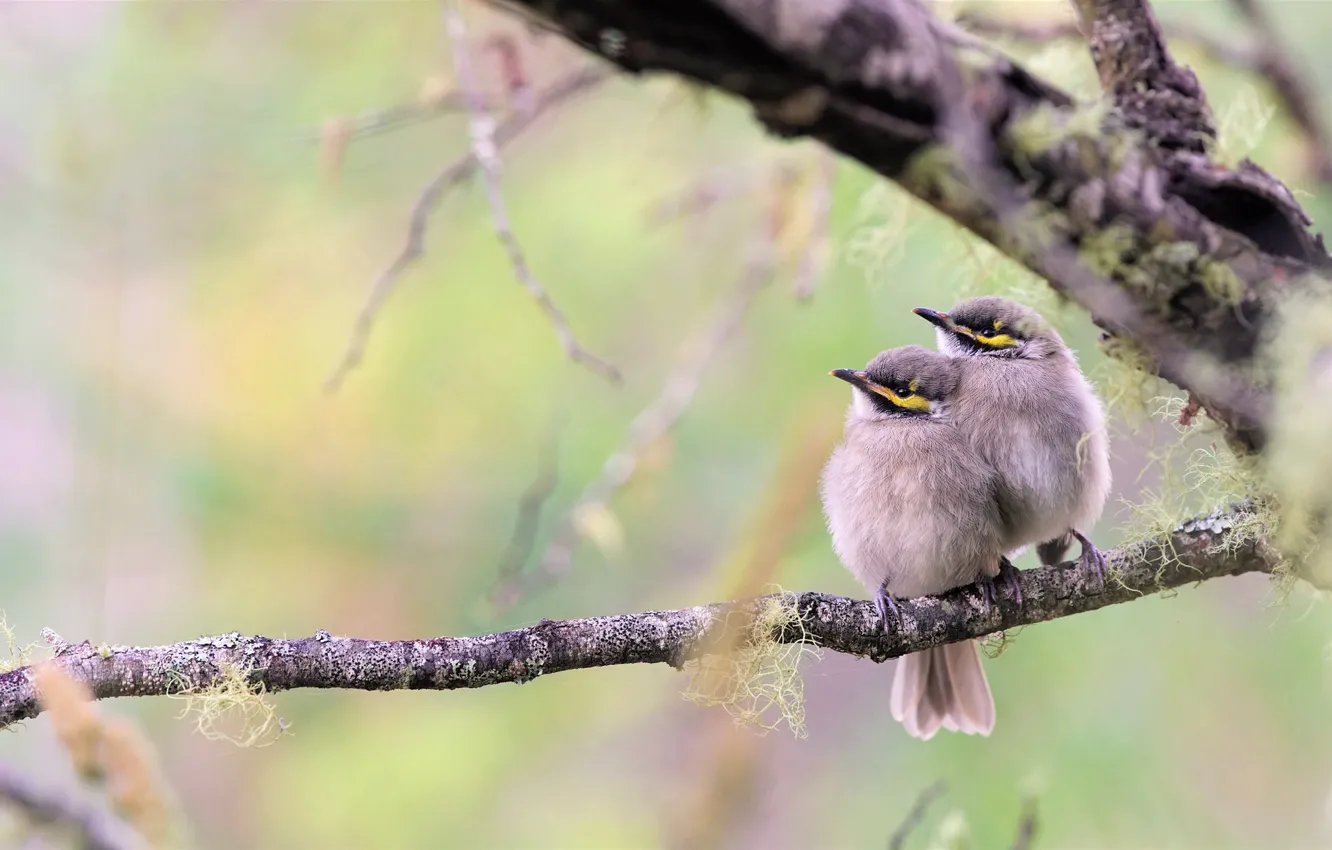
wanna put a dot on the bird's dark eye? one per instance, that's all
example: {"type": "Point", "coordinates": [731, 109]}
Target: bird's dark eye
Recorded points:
{"type": "Point", "coordinates": [986, 332]}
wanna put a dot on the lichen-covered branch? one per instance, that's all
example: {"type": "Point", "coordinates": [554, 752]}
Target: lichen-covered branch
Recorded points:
{"type": "Point", "coordinates": [1262, 53]}
{"type": "Point", "coordinates": [1154, 93]}
{"type": "Point", "coordinates": [1204, 252]}
{"type": "Point", "coordinates": [1204, 548]}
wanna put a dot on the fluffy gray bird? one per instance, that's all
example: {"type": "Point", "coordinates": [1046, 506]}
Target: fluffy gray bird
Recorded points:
{"type": "Point", "coordinates": [1025, 405]}
{"type": "Point", "coordinates": [914, 509]}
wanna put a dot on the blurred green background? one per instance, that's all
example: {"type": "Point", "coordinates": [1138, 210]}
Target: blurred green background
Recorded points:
{"type": "Point", "coordinates": [180, 275]}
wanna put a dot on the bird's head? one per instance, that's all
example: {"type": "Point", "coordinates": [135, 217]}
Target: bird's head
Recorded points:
{"type": "Point", "coordinates": [992, 326]}
{"type": "Point", "coordinates": [902, 382]}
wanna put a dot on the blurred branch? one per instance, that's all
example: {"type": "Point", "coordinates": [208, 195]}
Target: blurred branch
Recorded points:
{"type": "Point", "coordinates": [531, 504]}
{"type": "Point", "coordinates": [1204, 548]}
{"type": "Point", "coordinates": [660, 416]}
{"type": "Point", "coordinates": [455, 173]}
{"type": "Point", "coordinates": [1265, 55]}
{"type": "Point", "coordinates": [96, 828]}
{"type": "Point", "coordinates": [916, 814]}
{"type": "Point", "coordinates": [1274, 60]}
{"type": "Point", "coordinates": [482, 131]}
{"type": "Point", "coordinates": [1026, 832]}
{"type": "Point", "coordinates": [1202, 252]}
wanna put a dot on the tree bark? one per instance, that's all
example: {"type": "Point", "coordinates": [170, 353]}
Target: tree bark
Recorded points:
{"type": "Point", "coordinates": [1204, 548]}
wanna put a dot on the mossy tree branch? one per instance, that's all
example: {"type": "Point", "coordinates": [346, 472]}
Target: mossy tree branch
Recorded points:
{"type": "Point", "coordinates": [1203, 251]}
{"type": "Point", "coordinates": [1204, 548]}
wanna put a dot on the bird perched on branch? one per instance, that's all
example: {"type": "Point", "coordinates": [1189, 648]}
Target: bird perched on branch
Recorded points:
{"type": "Point", "coordinates": [1026, 407]}
{"type": "Point", "coordinates": [914, 509]}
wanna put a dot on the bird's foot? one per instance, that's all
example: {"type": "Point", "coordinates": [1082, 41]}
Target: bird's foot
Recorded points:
{"type": "Point", "coordinates": [884, 601]}
{"type": "Point", "coordinates": [989, 586]}
{"type": "Point", "coordinates": [1091, 558]}
{"type": "Point", "coordinates": [1011, 576]}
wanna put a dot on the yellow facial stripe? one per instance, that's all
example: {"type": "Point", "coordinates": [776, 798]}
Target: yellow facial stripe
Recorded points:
{"type": "Point", "coordinates": [997, 341]}
{"type": "Point", "coordinates": [906, 402]}
{"type": "Point", "coordinates": [998, 324]}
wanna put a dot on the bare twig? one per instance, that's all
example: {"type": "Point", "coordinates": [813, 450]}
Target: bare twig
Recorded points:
{"type": "Point", "coordinates": [482, 129]}
{"type": "Point", "coordinates": [722, 184]}
{"type": "Point", "coordinates": [1027, 824]}
{"type": "Point", "coordinates": [432, 104]}
{"type": "Point", "coordinates": [1203, 548]}
{"type": "Point", "coordinates": [531, 504]}
{"type": "Point", "coordinates": [916, 814]}
{"type": "Point", "coordinates": [96, 828]}
{"type": "Point", "coordinates": [1274, 61]}
{"type": "Point", "coordinates": [651, 425]}
{"type": "Point", "coordinates": [455, 173]}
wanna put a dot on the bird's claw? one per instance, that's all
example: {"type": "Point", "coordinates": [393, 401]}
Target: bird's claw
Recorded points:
{"type": "Point", "coordinates": [884, 601]}
{"type": "Point", "coordinates": [989, 586]}
{"type": "Point", "coordinates": [1092, 558]}
{"type": "Point", "coordinates": [1010, 575]}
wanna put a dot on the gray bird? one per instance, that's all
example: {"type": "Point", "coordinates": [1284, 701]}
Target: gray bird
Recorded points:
{"type": "Point", "coordinates": [914, 509]}
{"type": "Point", "coordinates": [1025, 405]}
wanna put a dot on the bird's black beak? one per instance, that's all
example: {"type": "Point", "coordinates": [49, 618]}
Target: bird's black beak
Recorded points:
{"type": "Point", "coordinates": [934, 317]}
{"type": "Point", "coordinates": [941, 320]}
{"type": "Point", "coordinates": [856, 379]}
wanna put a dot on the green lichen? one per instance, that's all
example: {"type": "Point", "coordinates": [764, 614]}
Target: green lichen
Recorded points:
{"type": "Point", "coordinates": [756, 679]}
{"type": "Point", "coordinates": [1221, 282]}
{"type": "Point", "coordinates": [1127, 379]}
{"type": "Point", "coordinates": [1103, 251]}
{"type": "Point", "coordinates": [1201, 475]}
{"type": "Point", "coordinates": [229, 708]}
{"type": "Point", "coordinates": [19, 655]}
{"type": "Point", "coordinates": [1298, 453]}
{"type": "Point", "coordinates": [933, 172]}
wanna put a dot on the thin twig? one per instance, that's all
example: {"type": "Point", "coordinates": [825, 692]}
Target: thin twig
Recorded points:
{"type": "Point", "coordinates": [1027, 824]}
{"type": "Point", "coordinates": [531, 504]}
{"type": "Point", "coordinates": [1274, 61]}
{"type": "Point", "coordinates": [376, 121]}
{"type": "Point", "coordinates": [722, 184]}
{"type": "Point", "coordinates": [482, 130]}
{"type": "Point", "coordinates": [456, 172]}
{"type": "Point", "coordinates": [652, 424]}
{"type": "Point", "coordinates": [98, 829]}
{"type": "Point", "coordinates": [916, 814]}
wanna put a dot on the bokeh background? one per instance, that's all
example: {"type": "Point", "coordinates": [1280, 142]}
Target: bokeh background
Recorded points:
{"type": "Point", "coordinates": [184, 252]}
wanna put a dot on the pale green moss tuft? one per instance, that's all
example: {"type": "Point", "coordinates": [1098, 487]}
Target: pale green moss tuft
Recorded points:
{"type": "Point", "coordinates": [1299, 455]}
{"type": "Point", "coordinates": [1221, 282]}
{"type": "Point", "coordinates": [231, 709]}
{"type": "Point", "coordinates": [758, 680]}
{"type": "Point", "coordinates": [1103, 250]}
{"type": "Point", "coordinates": [1127, 379]}
{"type": "Point", "coordinates": [878, 241]}
{"type": "Point", "coordinates": [1242, 125]}
{"type": "Point", "coordinates": [19, 655]}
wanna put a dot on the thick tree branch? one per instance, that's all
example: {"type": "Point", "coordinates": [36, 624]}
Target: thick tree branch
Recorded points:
{"type": "Point", "coordinates": [1263, 54]}
{"type": "Point", "coordinates": [1204, 548]}
{"type": "Point", "coordinates": [1202, 251]}
{"type": "Point", "coordinates": [1154, 93]}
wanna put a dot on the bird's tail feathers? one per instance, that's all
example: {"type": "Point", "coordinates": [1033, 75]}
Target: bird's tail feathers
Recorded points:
{"type": "Point", "coordinates": [943, 687]}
